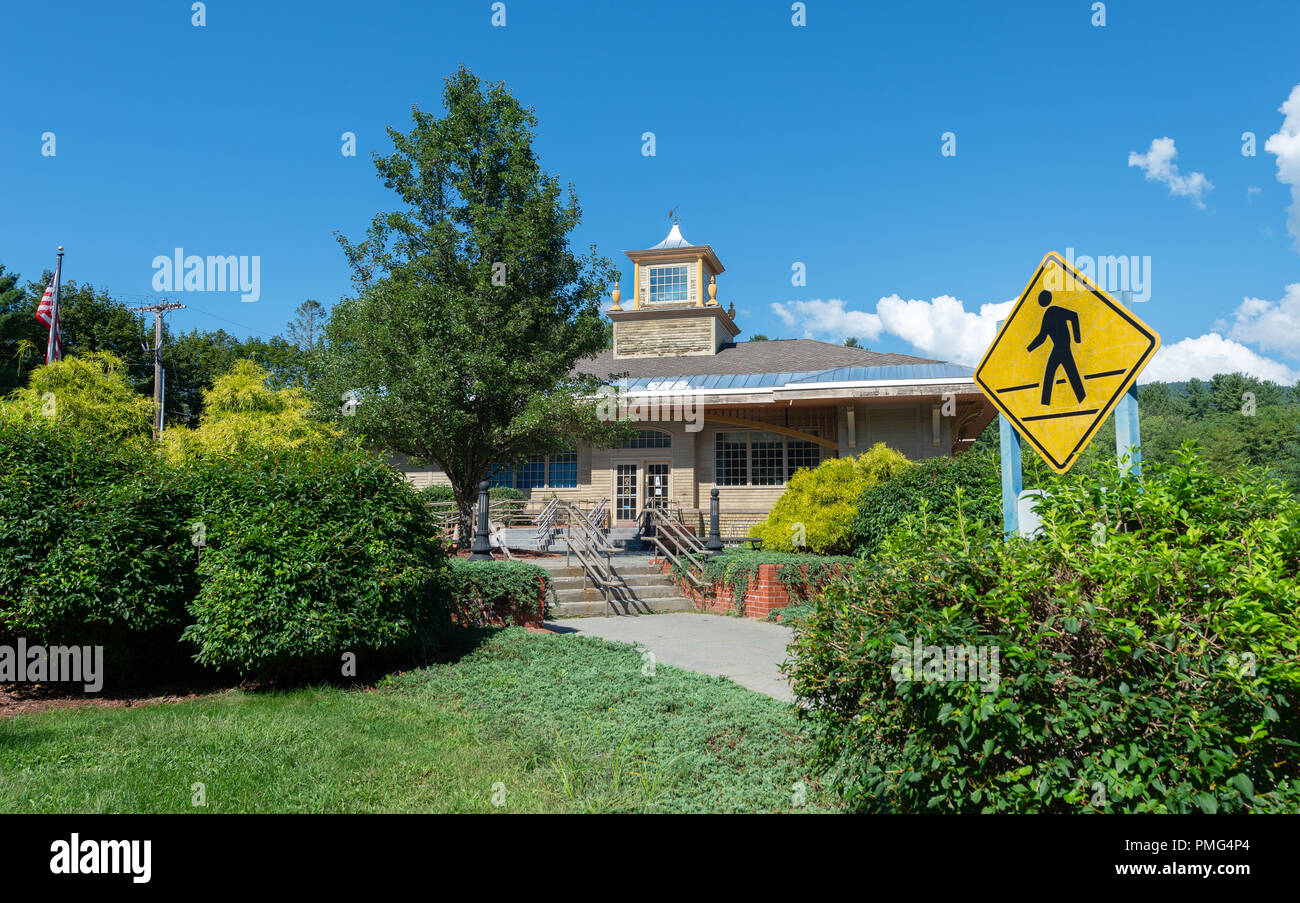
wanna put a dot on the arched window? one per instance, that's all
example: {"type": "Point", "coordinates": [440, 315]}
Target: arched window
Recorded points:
{"type": "Point", "coordinates": [649, 439]}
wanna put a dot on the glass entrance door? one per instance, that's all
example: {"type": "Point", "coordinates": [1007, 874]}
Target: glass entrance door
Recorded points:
{"type": "Point", "coordinates": [656, 485]}
{"type": "Point", "coordinates": [625, 493]}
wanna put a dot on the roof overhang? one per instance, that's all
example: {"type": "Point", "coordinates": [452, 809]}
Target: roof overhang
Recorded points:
{"type": "Point", "coordinates": [656, 255]}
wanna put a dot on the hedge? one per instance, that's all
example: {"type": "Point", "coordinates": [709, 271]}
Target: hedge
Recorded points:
{"type": "Point", "coordinates": [1146, 655]}
{"type": "Point", "coordinates": [270, 565]}
{"type": "Point", "coordinates": [310, 556]}
{"type": "Point", "coordinates": [882, 506]}
{"type": "Point", "coordinates": [94, 546]}
{"type": "Point", "coordinates": [499, 592]}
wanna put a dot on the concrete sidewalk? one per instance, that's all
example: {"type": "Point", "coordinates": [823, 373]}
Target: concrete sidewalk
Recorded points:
{"type": "Point", "coordinates": [749, 652]}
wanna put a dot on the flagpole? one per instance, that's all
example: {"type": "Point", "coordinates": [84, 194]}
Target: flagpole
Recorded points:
{"type": "Point", "coordinates": [52, 343]}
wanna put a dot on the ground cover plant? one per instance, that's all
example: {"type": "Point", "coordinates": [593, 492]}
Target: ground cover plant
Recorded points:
{"type": "Point", "coordinates": [538, 723]}
{"type": "Point", "coordinates": [1147, 646]}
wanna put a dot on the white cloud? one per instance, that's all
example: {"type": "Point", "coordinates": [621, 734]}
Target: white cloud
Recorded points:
{"type": "Point", "coordinates": [942, 327]}
{"type": "Point", "coordinates": [1209, 354]}
{"type": "Point", "coordinates": [1285, 145]}
{"type": "Point", "coordinates": [1252, 192]}
{"type": "Point", "coordinates": [828, 319]}
{"type": "Point", "coordinates": [1274, 326]}
{"type": "Point", "coordinates": [1159, 166]}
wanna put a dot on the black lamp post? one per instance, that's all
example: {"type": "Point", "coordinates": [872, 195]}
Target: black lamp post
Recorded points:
{"type": "Point", "coordinates": [714, 543]}
{"type": "Point", "coordinates": [481, 550]}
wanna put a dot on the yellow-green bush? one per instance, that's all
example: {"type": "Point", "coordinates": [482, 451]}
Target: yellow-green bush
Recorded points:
{"type": "Point", "coordinates": [818, 505]}
{"type": "Point", "coordinates": [90, 393]}
{"type": "Point", "coordinates": [241, 413]}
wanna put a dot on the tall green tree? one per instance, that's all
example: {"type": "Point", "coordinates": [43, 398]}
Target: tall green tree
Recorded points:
{"type": "Point", "coordinates": [306, 329]}
{"type": "Point", "coordinates": [471, 308]}
{"type": "Point", "coordinates": [20, 332]}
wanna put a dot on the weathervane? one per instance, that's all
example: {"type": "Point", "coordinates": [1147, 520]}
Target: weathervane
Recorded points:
{"type": "Point", "coordinates": [672, 215]}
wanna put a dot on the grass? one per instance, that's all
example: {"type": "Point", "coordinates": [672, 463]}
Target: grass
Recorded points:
{"type": "Point", "coordinates": [543, 723]}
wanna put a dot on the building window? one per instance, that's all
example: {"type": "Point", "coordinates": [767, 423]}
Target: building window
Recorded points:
{"type": "Point", "coordinates": [670, 283]}
{"type": "Point", "coordinates": [554, 471]}
{"type": "Point", "coordinates": [754, 458]}
{"type": "Point", "coordinates": [649, 439]}
{"type": "Point", "coordinates": [732, 459]}
{"type": "Point", "coordinates": [532, 475]}
{"type": "Point", "coordinates": [562, 470]}
{"type": "Point", "coordinates": [766, 451]}
{"type": "Point", "coordinates": [799, 453]}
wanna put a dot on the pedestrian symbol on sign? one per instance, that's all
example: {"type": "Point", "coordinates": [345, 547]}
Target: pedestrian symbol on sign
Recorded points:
{"type": "Point", "coordinates": [1057, 323]}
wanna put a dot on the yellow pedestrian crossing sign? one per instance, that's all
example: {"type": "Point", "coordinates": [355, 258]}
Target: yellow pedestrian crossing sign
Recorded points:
{"type": "Point", "coordinates": [1062, 360]}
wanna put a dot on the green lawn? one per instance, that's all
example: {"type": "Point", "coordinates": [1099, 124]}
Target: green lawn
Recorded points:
{"type": "Point", "coordinates": [559, 723]}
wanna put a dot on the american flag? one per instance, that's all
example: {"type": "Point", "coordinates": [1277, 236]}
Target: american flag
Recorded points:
{"type": "Point", "coordinates": [48, 313]}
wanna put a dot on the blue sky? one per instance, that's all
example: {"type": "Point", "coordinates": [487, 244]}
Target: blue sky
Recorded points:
{"type": "Point", "coordinates": [779, 144]}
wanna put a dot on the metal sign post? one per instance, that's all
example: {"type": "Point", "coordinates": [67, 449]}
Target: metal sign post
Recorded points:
{"type": "Point", "coordinates": [1128, 429]}
{"type": "Point", "coordinates": [1012, 478]}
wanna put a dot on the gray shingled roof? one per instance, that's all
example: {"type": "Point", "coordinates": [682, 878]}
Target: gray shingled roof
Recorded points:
{"type": "Point", "coordinates": [775, 356]}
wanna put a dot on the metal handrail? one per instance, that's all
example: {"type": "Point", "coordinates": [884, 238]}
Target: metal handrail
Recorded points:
{"type": "Point", "coordinates": [507, 510]}
{"type": "Point", "coordinates": [587, 545]}
{"type": "Point", "coordinates": [598, 512]}
{"type": "Point", "coordinates": [545, 523]}
{"type": "Point", "coordinates": [684, 543]}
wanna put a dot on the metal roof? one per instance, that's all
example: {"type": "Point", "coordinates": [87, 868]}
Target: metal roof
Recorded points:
{"type": "Point", "coordinates": [899, 372]}
{"type": "Point", "coordinates": [674, 240]}
{"type": "Point", "coordinates": [893, 374]}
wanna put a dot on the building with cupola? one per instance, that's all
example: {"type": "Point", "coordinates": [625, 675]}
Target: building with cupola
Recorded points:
{"type": "Point", "coordinates": [716, 410]}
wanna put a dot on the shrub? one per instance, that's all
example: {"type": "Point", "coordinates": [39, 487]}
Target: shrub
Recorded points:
{"type": "Point", "coordinates": [94, 545]}
{"type": "Point", "coordinates": [498, 592]}
{"type": "Point", "coordinates": [309, 556]}
{"type": "Point", "coordinates": [90, 393]}
{"type": "Point", "coordinates": [242, 415]}
{"type": "Point", "coordinates": [1146, 664]}
{"type": "Point", "coordinates": [437, 494]}
{"type": "Point", "coordinates": [824, 500]}
{"type": "Point", "coordinates": [881, 506]}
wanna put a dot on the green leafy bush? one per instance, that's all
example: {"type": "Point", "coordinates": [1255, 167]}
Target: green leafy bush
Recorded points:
{"type": "Point", "coordinates": [487, 592]}
{"type": "Point", "coordinates": [438, 493]}
{"type": "Point", "coordinates": [94, 545]}
{"type": "Point", "coordinates": [936, 480]}
{"type": "Point", "coordinates": [819, 504]}
{"type": "Point", "coordinates": [309, 556]}
{"type": "Point", "coordinates": [1147, 655]}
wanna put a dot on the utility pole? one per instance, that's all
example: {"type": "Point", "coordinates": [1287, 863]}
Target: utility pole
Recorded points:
{"type": "Point", "coordinates": [158, 310]}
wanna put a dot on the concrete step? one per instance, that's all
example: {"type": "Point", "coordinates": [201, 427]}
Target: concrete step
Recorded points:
{"type": "Point", "coordinates": [658, 591]}
{"type": "Point", "coordinates": [599, 608]}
